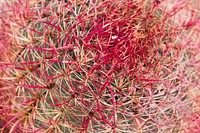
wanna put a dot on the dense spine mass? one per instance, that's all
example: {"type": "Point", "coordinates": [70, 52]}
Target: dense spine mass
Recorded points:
{"type": "Point", "coordinates": [99, 66]}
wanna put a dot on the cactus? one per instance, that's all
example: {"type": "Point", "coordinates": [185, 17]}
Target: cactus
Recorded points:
{"type": "Point", "coordinates": [99, 66]}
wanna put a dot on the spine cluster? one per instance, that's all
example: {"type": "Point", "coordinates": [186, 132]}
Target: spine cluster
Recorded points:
{"type": "Point", "coordinates": [99, 66]}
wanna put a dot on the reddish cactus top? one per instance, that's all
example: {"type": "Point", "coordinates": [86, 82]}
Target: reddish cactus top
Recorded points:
{"type": "Point", "coordinates": [99, 66]}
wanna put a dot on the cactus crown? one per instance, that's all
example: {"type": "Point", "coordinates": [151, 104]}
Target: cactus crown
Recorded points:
{"type": "Point", "coordinates": [97, 66]}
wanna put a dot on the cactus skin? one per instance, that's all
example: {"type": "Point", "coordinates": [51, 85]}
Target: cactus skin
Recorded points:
{"type": "Point", "coordinates": [99, 66]}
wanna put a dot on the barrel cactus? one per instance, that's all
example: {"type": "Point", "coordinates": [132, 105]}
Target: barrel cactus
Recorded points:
{"type": "Point", "coordinates": [99, 66]}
